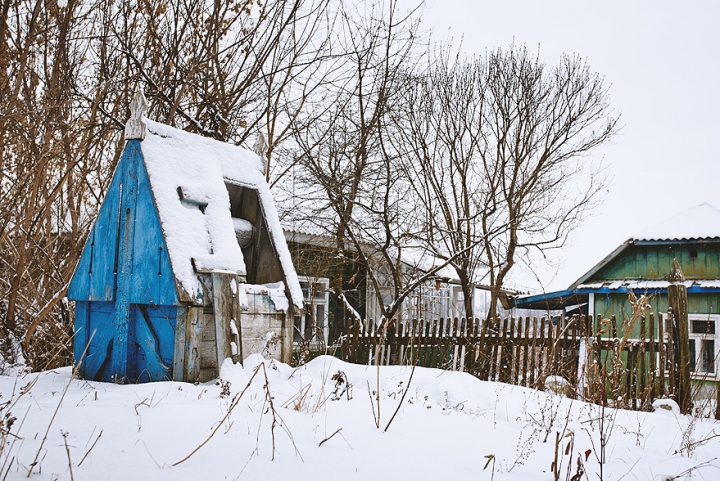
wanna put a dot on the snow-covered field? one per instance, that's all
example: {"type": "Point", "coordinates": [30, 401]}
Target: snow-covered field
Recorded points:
{"type": "Point", "coordinates": [449, 426]}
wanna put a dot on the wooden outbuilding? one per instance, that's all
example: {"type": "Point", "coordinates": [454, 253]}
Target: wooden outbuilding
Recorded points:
{"type": "Point", "coordinates": [186, 264]}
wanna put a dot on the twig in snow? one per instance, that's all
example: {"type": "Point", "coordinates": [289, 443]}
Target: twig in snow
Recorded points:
{"type": "Point", "coordinates": [67, 450]}
{"type": "Point", "coordinates": [91, 448]}
{"type": "Point", "coordinates": [694, 468]}
{"type": "Point", "coordinates": [149, 454]}
{"type": "Point", "coordinates": [235, 402]}
{"type": "Point", "coordinates": [690, 446]}
{"type": "Point", "coordinates": [72, 376]}
{"type": "Point", "coordinates": [402, 398]}
{"type": "Point", "coordinates": [372, 404]}
{"type": "Point", "coordinates": [329, 437]}
{"type": "Point", "coordinates": [276, 419]}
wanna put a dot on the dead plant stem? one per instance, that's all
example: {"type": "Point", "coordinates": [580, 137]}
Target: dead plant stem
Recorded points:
{"type": "Point", "coordinates": [234, 404]}
{"type": "Point", "coordinates": [91, 448]}
{"type": "Point", "coordinates": [67, 450]}
{"type": "Point", "coordinates": [329, 437]}
{"type": "Point", "coordinates": [57, 409]}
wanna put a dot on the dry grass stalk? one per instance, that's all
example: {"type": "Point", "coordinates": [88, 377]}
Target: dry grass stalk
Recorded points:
{"type": "Point", "coordinates": [52, 419]}
{"type": "Point", "coordinates": [233, 405]}
{"type": "Point", "coordinates": [639, 307]}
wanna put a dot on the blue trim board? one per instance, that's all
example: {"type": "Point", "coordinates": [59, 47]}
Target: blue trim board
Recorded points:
{"type": "Point", "coordinates": [560, 299]}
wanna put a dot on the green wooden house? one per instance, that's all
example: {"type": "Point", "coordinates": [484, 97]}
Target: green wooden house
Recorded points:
{"type": "Point", "coordinates": [642, 265]}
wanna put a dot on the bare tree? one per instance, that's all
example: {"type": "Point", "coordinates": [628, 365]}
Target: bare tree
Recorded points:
{"type": "Point", "coordinates": [340, 152]}
{"type": "Point", "coordinates": [439, 129]}
{"type": "Point", "coordinates": [497, 147]}
{"type": "Point", "coordinates": [67, 71]}
{"type": "Point", "coordinates": [541, 125]}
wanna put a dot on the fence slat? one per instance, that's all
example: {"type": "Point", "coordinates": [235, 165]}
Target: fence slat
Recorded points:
{"type": "Point", "coordinates": [521, 351]}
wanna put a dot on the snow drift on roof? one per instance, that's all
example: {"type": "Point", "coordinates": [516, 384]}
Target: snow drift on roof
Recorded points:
{"type": "Point", "coordinates": [699, 222]}
{"type": "Point", "coordinates": [200, 166]}
{"type": "Point", "coordinates": [421, 259]}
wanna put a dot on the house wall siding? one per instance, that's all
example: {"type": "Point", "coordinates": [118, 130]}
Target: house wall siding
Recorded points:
{"type": "Point", "coordinates": [653, 262]}
{"type": "Point", "coordinates": [618, 305]}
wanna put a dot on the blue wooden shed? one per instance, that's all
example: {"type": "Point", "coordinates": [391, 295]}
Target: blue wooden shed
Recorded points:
{"type": "Point", "coordinates": [186, 264]}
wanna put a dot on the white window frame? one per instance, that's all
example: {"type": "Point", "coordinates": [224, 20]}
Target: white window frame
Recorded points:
{"type": "Point", "coordinates": [313, 303]}
{"type": "Point", "coordinates": [697, 338]}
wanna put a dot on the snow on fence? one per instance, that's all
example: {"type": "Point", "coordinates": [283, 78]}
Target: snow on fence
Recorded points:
{"type": "Point", "coordinates": [594, 363]}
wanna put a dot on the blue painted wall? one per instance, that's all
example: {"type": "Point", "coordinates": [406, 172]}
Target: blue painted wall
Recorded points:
{"type": "Point", "coordinates": [124, 285]}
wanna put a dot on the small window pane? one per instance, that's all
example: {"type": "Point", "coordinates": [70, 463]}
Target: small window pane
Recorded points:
{"type": "Point", "coordinates": [693, 355]}
{"type": "Point", "coordinates": [298, 329]}
{"type": "Point", "coordinates": [320, 315]}
{"type": "Point", "coordinates": [708, 355]}
{"type": "Point", "coordinates": [703, 327]}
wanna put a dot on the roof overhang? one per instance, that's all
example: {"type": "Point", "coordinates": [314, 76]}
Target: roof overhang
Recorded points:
{"type": "Point", "coordinates": [551, 301]}
{"type": "Point", "coordinates": [570, 297]}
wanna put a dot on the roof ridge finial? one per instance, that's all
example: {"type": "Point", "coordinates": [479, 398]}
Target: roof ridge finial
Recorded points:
{"type": "Point", "coordinates": [135, 127]}
{"type": "Point", "coordinates": [260, 148]}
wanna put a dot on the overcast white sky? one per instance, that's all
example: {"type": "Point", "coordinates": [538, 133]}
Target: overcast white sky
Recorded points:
{"type": "Point", "coordinates": [662, 61]}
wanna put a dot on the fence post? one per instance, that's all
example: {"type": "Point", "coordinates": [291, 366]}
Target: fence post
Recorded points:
{"type": "Point", "coordinates": [669, 354]}
{"type": "Point", "coordinates": [526, 349]}
{"type": "Point", "coordinates": [677, 299]}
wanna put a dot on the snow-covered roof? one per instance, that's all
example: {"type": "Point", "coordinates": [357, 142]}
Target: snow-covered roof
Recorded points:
{"type": "Point", "coordinates": [421, 259]}
{"type": "Point", "coordinates": [699, 222]}
{"type": "Point", "coordinates": [198, 167]}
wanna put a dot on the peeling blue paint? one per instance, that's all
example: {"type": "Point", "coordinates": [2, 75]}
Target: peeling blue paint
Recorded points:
{"type": "Point", "coordinates": [124, 286]}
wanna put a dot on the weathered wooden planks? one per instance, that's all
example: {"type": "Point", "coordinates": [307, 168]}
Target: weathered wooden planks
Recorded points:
{"type": "Point", "coordinates": [519, 351]}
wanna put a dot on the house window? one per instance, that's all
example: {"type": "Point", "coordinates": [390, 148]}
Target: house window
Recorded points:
{"type": "Point", "coordinates": [313, 326]}
{"type": "Point", "coordinates": [427, 302]}
{"type": "Point", "coordinates": [703, 344]}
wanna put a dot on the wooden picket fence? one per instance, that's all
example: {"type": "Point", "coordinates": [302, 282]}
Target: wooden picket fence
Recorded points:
{"type": "Point", "coordinates": [525, 352]}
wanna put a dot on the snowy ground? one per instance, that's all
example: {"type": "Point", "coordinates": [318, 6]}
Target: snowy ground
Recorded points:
{"type": "Point", "coordinates": [449, 426]}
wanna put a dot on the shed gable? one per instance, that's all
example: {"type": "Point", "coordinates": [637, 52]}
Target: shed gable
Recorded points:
{"type": "Point", "coordinates": [128, 219]}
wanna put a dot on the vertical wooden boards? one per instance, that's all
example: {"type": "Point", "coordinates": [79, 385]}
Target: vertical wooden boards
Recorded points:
{"type": "Point", "coordinates": [153, 281]}
{"type": "Point", "coordinates": [96, 364]}
{"type": "Point", "coordinates": [534, 354]}
{"type": "Point", "coordinates": [81, 329]}
{"type": "Point", "coordinates": [262, 326]}
{"type": "Point", "coordinates": [653, 358]}
{"type": "Point", "coordinates": [209, 368]}
{"type": "Point", "coordinates": [179, 345]}
{"type": "Point", "coordinates": [662, 357]}
{"type": "Point", "coordinates": [524, 352]}
{"type": "Point", "coordinates": [126, 235]}
{"type": "Point", "coordinates": [286, 338]}
{"type": "Point", "coordinates": [126, 261]}
{"type": "Point", "coordinates": [152, 335]}
{"type": "Point", "coordinates": [192, 318]}
{"type": "Point", "coordinates": [642, 373]}
{"type": "Point", "coordinates": [94, 277]}
{"type": "Point", "coordinates": [226, 310]}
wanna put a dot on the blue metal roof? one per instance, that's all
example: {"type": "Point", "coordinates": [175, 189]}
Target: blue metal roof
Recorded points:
{"type": "Point", "coordinates": [550, 300]}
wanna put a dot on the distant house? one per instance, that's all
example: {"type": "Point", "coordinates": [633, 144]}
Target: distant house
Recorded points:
{"type": "Point", "coordinates": [327, 316]}
{"type": "Point", "coordinates": [186, 264]}
{"type": "Point", "coordinates": [642, 265]}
